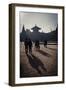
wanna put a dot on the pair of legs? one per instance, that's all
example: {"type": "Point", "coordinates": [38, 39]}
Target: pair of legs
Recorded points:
{"type": "Point", "coordinates": [26, 50]}
{"type": "Point", "coordinates": [30, 50]}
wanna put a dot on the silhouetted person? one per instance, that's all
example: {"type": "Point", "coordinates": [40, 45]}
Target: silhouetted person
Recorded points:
{"type": "Point", "coordinates": [37, 44]}
{"type": "Point", "coordinates": [30, 46]}
{"type": "Point", "coordinates": [26, 45]}
{"type": "Point", "coordinates": [45, 43]}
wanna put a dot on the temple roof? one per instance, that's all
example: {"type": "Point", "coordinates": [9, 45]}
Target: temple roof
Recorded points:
{"type": "Point", "coordinates": [35, 28]}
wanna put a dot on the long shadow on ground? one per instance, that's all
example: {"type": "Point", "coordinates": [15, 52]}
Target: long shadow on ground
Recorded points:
{"type": "Point", "coordinates": [44, 53]}
{"type": "Point", "coordinates": [36, 63]}
{"type": "Point", "coordinates": [51, 48]}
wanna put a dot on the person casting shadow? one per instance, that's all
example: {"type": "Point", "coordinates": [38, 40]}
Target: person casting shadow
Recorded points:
{"type": "Point", "coordinates": [45, 43]}
{"type": "Point", "coordinates": [26, 45]}
{"type": "Point", "coordinates": [37, 45]}
{"type": "Point", "coordinates": [30, 46]}
{"type": "Point", "coordinates": [36, 63]}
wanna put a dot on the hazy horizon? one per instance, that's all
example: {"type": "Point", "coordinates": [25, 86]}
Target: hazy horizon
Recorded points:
{"type": "Point", "coordinates": [46, 21]}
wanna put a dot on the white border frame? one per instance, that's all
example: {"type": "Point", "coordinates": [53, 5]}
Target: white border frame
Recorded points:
{"type": "Point", "coordinates": [17, 44]}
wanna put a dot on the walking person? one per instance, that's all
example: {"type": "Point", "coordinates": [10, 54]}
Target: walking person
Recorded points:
{"type": "Point", "coordinates": [26, 45]}
{"type": "Point", "coordinates": [37, 46]}
{"type": "Point", "coordinates": [30, 46]}
{"type": "Point", "coordinates": [45, 43]}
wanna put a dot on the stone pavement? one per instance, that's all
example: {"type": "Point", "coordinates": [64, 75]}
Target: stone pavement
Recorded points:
{"type": "Point", "coordinates": [41, 63]}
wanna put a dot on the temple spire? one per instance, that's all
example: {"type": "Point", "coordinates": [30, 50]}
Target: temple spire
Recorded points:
{"type": "Point", "coordinates": [23, 29]}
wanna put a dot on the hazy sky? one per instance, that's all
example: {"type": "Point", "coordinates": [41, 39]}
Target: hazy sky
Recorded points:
{"type": "Point", "coordinates": [46, 21]}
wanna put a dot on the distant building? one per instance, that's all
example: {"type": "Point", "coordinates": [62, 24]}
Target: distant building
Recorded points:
{"type": "Point", "coordinates": [35, 29]}
{"type": "Point", "coordinates": [36, 35]}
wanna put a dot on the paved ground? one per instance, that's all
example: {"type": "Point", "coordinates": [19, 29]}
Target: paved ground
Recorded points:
{"type": "Point", "coordinates": [41, 63]}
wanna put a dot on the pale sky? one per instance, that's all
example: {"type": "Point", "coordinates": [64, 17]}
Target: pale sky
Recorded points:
{"type": "Point", "coordinates": [46, 21]}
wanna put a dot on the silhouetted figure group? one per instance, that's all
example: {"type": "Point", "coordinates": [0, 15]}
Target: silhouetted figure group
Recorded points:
{"type": "Point", "coordinates": [28, 45]}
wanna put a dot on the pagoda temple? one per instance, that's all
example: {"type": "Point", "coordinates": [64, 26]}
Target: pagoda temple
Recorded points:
{"type": "Point", "coordinates": [35, 28]}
